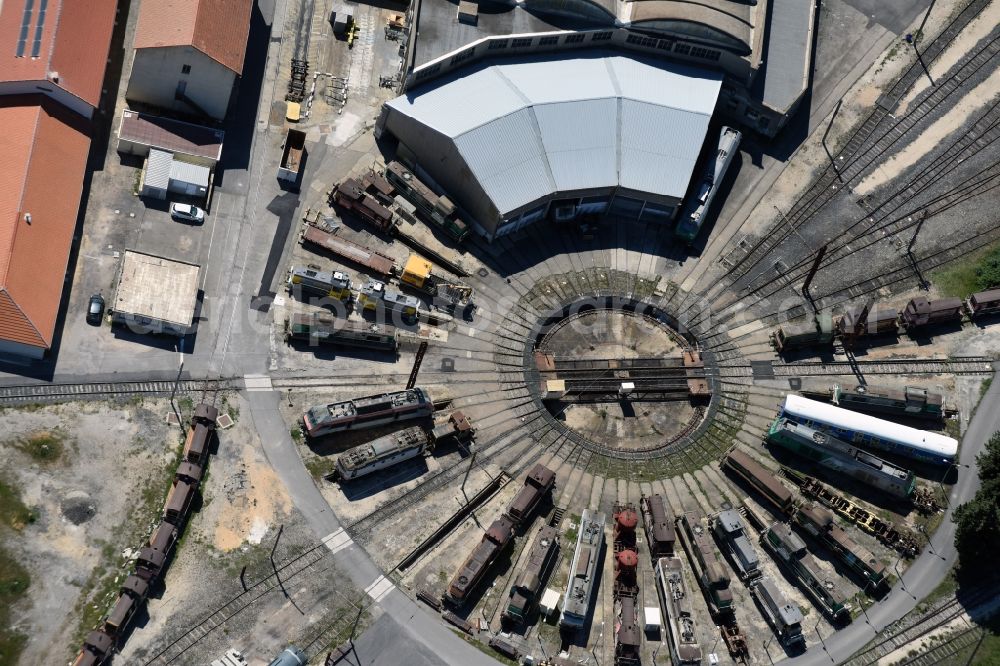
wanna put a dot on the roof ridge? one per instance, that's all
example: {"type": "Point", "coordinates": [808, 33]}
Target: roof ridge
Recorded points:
{"type": "Point", "coordinates": [52, 45]}
{"type": "Point", "coordinates": [24, 315]}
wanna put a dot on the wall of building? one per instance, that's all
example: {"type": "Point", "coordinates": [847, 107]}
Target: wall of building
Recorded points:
{"type": "Point", "coordinates": [22, 351]}
{"type": "Point", "coordinates": [159, 73]}
{"type": "Point", "coordinates": [64, 97]}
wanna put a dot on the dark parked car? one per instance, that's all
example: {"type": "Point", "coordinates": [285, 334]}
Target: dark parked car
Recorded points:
{"type": "Point", "coordinates": [95, 310]}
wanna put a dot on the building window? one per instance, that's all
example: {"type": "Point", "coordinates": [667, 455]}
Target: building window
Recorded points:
{"type": "Point", "coordinates": [665, 44]}
{"type": "Point", "coordinates": [462, 57]}
{"type": "Point", "coordinates": [601, 36]}
{"type": "Point", "coordinates": [551, 40]}
{"type": "Point", "coordinates": [498, 44]}
{"type": "Point", "coordinates": [181, 88]}
{"type": "Point", "coordinates": [682, 49]}
{"type": "Point", "coordinates": [521, 42]}
{"type": "Point", "coordinates": [185, 69]}
{"type": "Point", "coordinates": [575, 38]}
{"type": "Point", "coordinates": [649, 42]}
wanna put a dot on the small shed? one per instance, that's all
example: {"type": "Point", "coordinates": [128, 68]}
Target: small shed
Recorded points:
{"type": "Point", "coordinates": [549, 603]}
{"type": "Point", "coordinates": [468, 12]}
{"type": "Point", "coordinates": [165, 174]}
{"type": "Point", "coordinates": [651, 619]}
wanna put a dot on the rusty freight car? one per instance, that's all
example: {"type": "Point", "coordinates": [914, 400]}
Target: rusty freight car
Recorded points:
{"type": "Point", "coordinates": [495, 540]}
{"type": "Point", "coordinates": [540, 481]}
{"type": "Point", "coordinates": [658, 523]}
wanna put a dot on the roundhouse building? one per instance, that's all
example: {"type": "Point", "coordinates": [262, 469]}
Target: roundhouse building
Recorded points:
{"type": "Point", "coordinates": [516, 140]}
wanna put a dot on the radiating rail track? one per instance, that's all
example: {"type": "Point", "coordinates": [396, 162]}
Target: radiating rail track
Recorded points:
{"type": "Point", "coordinates": [57, 392]}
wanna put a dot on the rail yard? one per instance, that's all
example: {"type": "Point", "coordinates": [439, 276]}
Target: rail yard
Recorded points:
{"type": "Point", "coordinates": [473, 393]}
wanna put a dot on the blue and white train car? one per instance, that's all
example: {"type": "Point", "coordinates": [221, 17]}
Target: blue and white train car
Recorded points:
{"type": "Point", "coordinates": [865, 430]}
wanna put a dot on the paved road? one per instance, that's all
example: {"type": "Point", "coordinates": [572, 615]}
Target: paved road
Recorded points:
{"type": "Point", "coordinates": [931, 567]}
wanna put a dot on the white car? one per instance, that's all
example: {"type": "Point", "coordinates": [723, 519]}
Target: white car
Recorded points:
{"type": "Point", "coordinates": [186, 212]}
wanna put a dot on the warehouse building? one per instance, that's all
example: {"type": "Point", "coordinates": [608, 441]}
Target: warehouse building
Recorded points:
{"type": "Point", "coordinates": [593, 131]}
{"type": "Point", "coordinates": [140, 132]}
{"type": "Point", "coordinates": [189, 55]}
{"type": "Point", "coordinates": [51, 77]}
{"type": "Point", "coordinates": [156, 294]}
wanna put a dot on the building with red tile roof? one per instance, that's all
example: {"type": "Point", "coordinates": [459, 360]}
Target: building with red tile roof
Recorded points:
{"type": "Point", "coordinates": [56, 47]}
{"type": "Point", "coordinates": [45, 148]}
{"type": "Point", "coordinates": [189, 54]}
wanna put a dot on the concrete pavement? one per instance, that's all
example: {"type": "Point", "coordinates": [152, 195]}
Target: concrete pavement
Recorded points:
{"type": "Point", "coordinates": [931, 567]}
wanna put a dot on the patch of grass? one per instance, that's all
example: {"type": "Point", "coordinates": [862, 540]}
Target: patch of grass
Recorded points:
{"type": "Point", "coordinates": [13, 512]}
{"type": "Point", "coordinates": [988, 651]}
{"type": "Point", "coordinates": [985, 386]}
{"type": "Point", "coordinates": [483, 647]}
{"type": "Point", "coordinates": [14, 582]}
{"type": "Point", "coordinates": [975, 272]}
{"type": "Point", "coordinates": [44, 446]}
{"type": "Point", "coordinates": [185, 405]}
{"type": "Point", "coordinates": [296, 434]}
{"type": "Point", "coordinates": [320, 467]}
{"type": "Point", "coordinates": [945, 588]}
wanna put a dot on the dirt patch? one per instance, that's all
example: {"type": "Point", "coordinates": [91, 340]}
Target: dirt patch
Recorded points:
{"type": "Point", "coordinates": [249, 514]}
{"type": "Point", "coordinates": [85, 508]}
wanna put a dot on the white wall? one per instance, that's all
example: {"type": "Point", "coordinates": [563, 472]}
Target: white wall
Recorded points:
{"type": "Point", "coordinates": [64, 97]}
{"type": "Point", "coordinates": [156, 73]}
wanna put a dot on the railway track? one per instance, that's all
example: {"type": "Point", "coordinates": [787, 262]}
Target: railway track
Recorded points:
{"type": "Point", "coordinates": [938, 616]}
{"type": "Point", "coordinates": [869, 140]}
{"type": "Point", "coordinates": [38, 393]}
{"type": "Point", "coordinates": [970, 365]}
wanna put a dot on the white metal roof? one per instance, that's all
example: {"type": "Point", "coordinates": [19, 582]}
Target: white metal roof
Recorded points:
{"type": "Point", "coordinates": [158, 169]}
{"type": "Point", "coordinates": [583, 120]}
{"type": "Point", "coordinates": [797, 406]}
{"type": "Point", "coordinates": [186, 172]}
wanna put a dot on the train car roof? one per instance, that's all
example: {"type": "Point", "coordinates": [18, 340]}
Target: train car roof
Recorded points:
{"type": "Point", "coordinates": [843, 418]}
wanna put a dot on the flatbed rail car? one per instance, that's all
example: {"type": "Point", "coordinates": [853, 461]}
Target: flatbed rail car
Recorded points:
{"type": "Point", "coordinates": [494, 542]}
{"type": "Point", "coordinates": [658, 523]}
{"type": "Point", "coordinates": [351, 194]}
{"type": "Point", "coordinates": [672, 587]}
{"type": "Point", "coordinates": [318, 328]}
{"type": "Point", "coordinates": [869, 431]}
{"type": "Point", "coordinates": [367, 412]}
{"type": "Point", "coordinates": [530, 584]}
{"type": "Point", "coordinates": [581, 587]}
{"type": "Point", "coordinates": [706, 563]}
{"type": "Point", "coordinates": [732, 536]}
{"type": "Point", "coordinates": [343, 248]}
{"type": "Point", "coordinates": [783, 616]}
{"type": "Point", "coordinates": [381, 453]}
{"type": "Point", "coordinates": [911, 401]}
{"type": "Point", "coordinates": [693, 216]}
{"type": "Point", "coordinates": [628, 639]}
{"type": "Point", "coordinates": [790, 552]}
{"type": "Point", "coordinates": [842, 458]}
{"type": "Point", "coordinates": [436, 209]}
{"type": "Point", "coordinates": [311, 280]}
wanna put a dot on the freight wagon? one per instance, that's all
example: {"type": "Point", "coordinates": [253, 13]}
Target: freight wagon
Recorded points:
{"type": "Point", "coordinates": [870, 319]}
{"type": "Point", "coordinates": [911, 401]}
{"type": "Point", "coordinates": [983, 303]}
{"type": "Point", "coordinates": [527, 589]}
{"type": "Point", "coordinates": [759, 478]}
{"type": "Point", "coordinates": [706, 563]}
{"type": "Point", "coordinates": [97, 647]}
{"type": "Point", "coordinates": [658, 523]}
{"type": "Point", "coordinates": [381, 453]}
{"type": "Point", "coordinates": [693, 215]}
{"type": "Point", "coordinates": [539, 482]}
{"type": "Point", "coordinates": [349, 250]}
{"type": "Point", "coordinates": [367, 412]}
{"type": "Point", "coordinates": [818, 331]}
{"type": "Point", "coordinates": [869, 431]}
{"type": "Point", "coordinates": [842, 458]}
{"type": "Point", "coordinates": [319, 328]}
{"type": "Point", "coordinates": [583, 570]}
{"type": "Point", "coordinates": [628, 639]}
{"type": "Point", "coordinates": [495, 540]}
{"type": "Point", "coordinates": [923, 312]}
{"type": "Point", "coordinates": [675, 599]}
{"type": "Point", "coordinates": [790, 551]}
{"type": "Point", "coordinates": [350, 194]}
